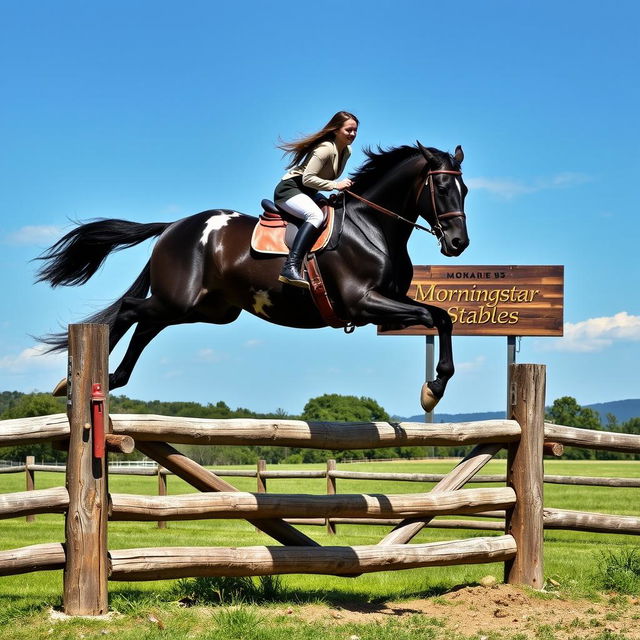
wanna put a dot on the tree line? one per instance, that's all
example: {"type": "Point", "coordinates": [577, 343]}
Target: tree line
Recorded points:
{"type": "Point", "coordinates": [324, 408]}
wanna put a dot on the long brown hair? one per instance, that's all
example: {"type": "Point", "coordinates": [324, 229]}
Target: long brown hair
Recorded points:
{"type": "Point", "coordinates": [298, 149]}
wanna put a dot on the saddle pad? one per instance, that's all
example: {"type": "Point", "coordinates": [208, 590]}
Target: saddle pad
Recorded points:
{"type": "Point", "coordinates": [269, 234]}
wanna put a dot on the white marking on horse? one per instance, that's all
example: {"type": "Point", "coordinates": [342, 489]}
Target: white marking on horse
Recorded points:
{"type": "Point", "coordinates": [260, 301]}
{"type": "Point", "coordinates": [216, 222]}
{"type": "Point", "coordinates": [458, 185]}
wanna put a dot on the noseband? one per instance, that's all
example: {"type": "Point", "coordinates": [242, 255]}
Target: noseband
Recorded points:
{"type": "Point", "coordinates": [436, 229]}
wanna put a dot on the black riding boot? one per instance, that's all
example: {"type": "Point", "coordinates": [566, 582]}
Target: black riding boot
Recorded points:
{"type": "Point", "coordinates": [292, 270]}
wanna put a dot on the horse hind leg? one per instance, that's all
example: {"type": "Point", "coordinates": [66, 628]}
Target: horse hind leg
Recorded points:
{"type": "Point", "coordinates": [131, 310]}
{"type": "Point", "coordinates": [126, 318]}
{"type": "Point", "coordinates": [153, 316]}
{"type": "Point", "coordinates": [142, 336]}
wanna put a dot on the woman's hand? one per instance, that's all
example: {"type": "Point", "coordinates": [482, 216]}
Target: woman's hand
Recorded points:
{"type": "Point", "coordinates": [343, 184]}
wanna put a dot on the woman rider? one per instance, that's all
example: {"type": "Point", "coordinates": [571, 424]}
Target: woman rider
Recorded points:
{"type": "Point", "coordinates": [317, 162]}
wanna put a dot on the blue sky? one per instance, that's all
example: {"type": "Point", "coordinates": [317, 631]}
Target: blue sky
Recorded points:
{"type": "Point", "coordinates": [151, 111]}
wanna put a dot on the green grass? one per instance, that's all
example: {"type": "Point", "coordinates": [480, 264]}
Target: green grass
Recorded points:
{"type": "Point", "coordinates": [572, 559]}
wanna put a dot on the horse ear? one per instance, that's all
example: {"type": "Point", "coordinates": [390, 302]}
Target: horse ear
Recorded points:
{"type": "Point", "coordinates": [459, 154]}
{"type": "Point", "coordinates": [429, 157]}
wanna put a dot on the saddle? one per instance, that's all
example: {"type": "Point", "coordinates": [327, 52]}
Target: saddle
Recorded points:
{"type": "Point", "coordinates": [274, 234]}
{"type": "Point", "coordinates": [276, 229]}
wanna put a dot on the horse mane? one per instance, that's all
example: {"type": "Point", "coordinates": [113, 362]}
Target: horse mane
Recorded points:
{"type": "Point", "coordinates": [380, 162]}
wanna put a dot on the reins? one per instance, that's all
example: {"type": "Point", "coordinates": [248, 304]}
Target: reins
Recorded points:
{"type": "Point", "coordinates": [439, 216]}
{"type": "Point", "coordinates": [387, 212]}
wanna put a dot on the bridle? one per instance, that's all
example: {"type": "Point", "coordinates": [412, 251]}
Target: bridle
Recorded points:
{"type": "Point", "coordinates": [436, 229]}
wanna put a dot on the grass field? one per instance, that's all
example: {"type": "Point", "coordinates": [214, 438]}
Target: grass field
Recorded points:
{"type": "Point", "coordinates": [572, 560]}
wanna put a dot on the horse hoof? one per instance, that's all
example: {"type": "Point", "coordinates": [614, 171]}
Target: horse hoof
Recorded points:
{"type": "Point", "coordinates": [61, 389]}
{"type": "Point", "coordinates": [427, 399]}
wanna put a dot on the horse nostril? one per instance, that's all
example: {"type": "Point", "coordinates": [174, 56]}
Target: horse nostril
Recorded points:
{"type": "Point", "coordinates": [456, 242]}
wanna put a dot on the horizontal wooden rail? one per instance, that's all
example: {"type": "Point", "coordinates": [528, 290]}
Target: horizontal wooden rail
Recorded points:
{"type": "Point", "coordinates": [254, 506]}
{"type": "Point", "coordinates": [487, 525]}
{"type": "Point", "coordinates": [490, 514]}
{"type": "Point", "coordinates": [133, 471]}
{"type": "Point", "coordinates": [407, 477]}
{"type": "Point", "coordinates": [587, 521]}
{"type": "Point", "coordinates": [314, 435]}
{"type": "Point", "coordinates": [26, 503]}
{"type": "Point", "coordinates": [19, 431]}
{"type": "Point", "coordinates": [37, 557]}
{"type": "Point", "coordinates": [19, 468]}
{"type": "Point", "coordinates": [587, 481]}
{"type": "Point", "coordinates": [49, 468]}
{"type": "Point", "coordinates": [593, 481]}
{"type": "Point", "coordinates": [592, 439]}
{"type": "Point", "coordinates": [183, 562]}
{"type": "Point", "coordinates": [292, 474]}
{"type": "Point", "coordinates": [318, 435]}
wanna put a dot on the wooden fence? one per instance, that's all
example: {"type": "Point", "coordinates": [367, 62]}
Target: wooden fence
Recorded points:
{"type": "Point", "coordinates": [88, 564]}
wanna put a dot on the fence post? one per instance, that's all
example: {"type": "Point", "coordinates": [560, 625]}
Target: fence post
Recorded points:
{"type": "Point", "coordinates": [525, 473]}
{"type": "Point", "coordinates": [331, 491]}
{"type": "Point", "coordinates": [85, 572]}
{"type": "Point", "coordinates": [261, 482]}
{"type": "Point", "coordinates": [30, 479]}
{"type": "Point", "coordinates": [162, 491]}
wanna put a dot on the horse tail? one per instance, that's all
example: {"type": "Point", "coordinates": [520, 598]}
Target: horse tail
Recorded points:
{"type": "Point", "coordinates": [139, 289]}
{"type": "Point", "coordinates": [74, 258]}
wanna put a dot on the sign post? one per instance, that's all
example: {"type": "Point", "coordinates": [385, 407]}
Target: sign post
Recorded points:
{"type": "Point", "coordinates": [511, 359]}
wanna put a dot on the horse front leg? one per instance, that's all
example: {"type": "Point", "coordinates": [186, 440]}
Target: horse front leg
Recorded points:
{"type": "Point", "coordinates": [433, 390]}
{"type": "Point", "coordinates": [378, 309]}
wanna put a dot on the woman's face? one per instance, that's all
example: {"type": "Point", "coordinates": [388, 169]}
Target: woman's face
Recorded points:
{"type": "Point", "coordinates": [347, 133]}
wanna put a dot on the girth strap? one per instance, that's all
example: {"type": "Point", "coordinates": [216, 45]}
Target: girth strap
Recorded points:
{"type": "Point", "coordinates": [320, 297]}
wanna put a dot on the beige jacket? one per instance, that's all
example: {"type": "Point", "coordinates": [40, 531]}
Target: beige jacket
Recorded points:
{"type": "Point", "coordinates": [321, 168]}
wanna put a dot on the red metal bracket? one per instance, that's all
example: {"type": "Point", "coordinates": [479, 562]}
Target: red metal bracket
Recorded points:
{"type": "Point", "coordinates": [97, 420]}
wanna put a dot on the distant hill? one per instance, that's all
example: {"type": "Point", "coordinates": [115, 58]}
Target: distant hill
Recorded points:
{"type": "Point", "coordinates": [623, 410]}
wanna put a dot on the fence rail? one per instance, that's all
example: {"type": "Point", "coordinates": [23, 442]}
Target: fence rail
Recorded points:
{"type": "Point", "coordinates": [153, 469]}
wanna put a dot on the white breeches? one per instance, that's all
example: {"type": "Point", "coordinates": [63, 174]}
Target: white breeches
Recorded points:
{"type": "Point", "coordinates": [302, 206]}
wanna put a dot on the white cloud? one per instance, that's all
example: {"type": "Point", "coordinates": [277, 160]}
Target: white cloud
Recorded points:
{"type": "Point", "coordinates": [470, 366]}
{"type": "Point", "coordinates": [508, 188]}
{"type": "Point", "coordinates": [502, 187]}
{"type": "Point", "coordinates": [31, 359]}
{"type": "Point", "coordinates": [208, 355]}
{"type": "Point", "coordinates": [566, 179]}
{"type": "Point", "coordinates": [596, 334]}
{"type": "Point", "coordinates": [173, 209]}
{"type": "Point", "coordinates": [250, 344]}
{"type": "Point", "coordinates": [43, 234]}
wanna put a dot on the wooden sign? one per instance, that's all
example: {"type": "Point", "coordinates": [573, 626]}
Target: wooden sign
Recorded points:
{"type": "Point", "coordinates": [491, 300]}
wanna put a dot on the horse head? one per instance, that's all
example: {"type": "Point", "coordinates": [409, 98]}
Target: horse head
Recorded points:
{"type": "Point", "coordinates": [441, 200]}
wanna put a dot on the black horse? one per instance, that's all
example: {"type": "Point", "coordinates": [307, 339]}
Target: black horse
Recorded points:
{"type": "Point", "coordinates": [203, 269]}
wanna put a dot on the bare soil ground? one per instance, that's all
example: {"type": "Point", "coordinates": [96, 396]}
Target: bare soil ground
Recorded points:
{"type": "Point", "coordinates": [503, 609]}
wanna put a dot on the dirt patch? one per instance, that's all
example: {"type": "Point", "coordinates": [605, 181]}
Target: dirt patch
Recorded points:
{"type": "Point", "coordinates": [504, 609]}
